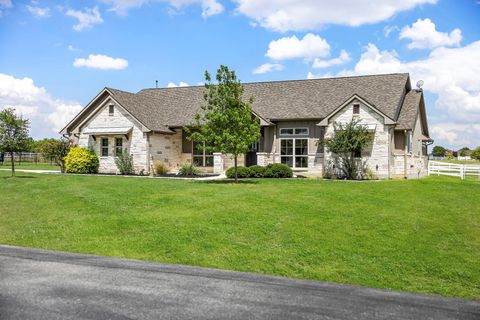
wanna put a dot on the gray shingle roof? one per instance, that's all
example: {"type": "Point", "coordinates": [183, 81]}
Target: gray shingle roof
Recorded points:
{"type": "Point", "coordinates": [409, 110]}
{"type": "Point", "coordinates": [161, 108]}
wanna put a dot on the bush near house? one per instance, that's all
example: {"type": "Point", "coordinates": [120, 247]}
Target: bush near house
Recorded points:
{"type": "Point", "coordinates": [81, 160]}
{"type": "Point", "coordinates": [124, 162]}
{"type": "Point", "coordinates": [188, 169]}
{"type": "Point", "coordinates": [278, 170]}
{"type": "Point", "coordinates": [257, 171]}
{"type": "Point", "coordinates": [160, 168]}
{"type": "Point", "coordinates": [275, 170]}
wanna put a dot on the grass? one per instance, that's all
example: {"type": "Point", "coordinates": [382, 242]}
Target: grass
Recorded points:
{"type": "Point", "coordinates": [31, 166]}
{"type": "Point", "coordinates": [416, 235]}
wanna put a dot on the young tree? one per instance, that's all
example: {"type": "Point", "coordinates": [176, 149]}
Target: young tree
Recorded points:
{"type": "Point", "coordinates": [347, 140]}
{"type": "Point", "coordinates": [13, 134]}
{"type": "Point", "coordinates": [227, 124]}
{"type": "Point", "coordinates": [465, 151]}
{"type": "Point", "coordinates": [439, 151]}
{"type": "Point", "coordinates": [55, 150]}
{"type": "Point", "coordinates": [475, 154]}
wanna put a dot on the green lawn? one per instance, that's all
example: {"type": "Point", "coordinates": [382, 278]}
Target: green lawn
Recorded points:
{"type": "Point", "coordinates": [416, 235]}
{"type": "Point", "coordinates": [476, 162]}
{"type": "Point", "coordinates": [31, 166]}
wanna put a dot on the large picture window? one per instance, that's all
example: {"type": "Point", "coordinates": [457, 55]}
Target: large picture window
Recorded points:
{"type": "Point", "coordinates": [294, 152]}
{"type": "Point", "coordinates": [201, 157]}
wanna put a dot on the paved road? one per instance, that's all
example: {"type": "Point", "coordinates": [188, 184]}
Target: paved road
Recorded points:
{"type": "Point", "coordinates": [40, 284]}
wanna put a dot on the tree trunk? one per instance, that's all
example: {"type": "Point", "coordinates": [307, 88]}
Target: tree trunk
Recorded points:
{"type": "Point", "coordinates": [235, 163]}
{"type": "Point", "coordinates": [13, 163]}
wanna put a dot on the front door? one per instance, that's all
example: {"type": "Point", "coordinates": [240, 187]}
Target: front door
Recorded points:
{"type": "Point", "coordinates": [251, 156]}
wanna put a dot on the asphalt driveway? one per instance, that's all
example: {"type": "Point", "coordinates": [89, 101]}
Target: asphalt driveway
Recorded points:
{"type": "Point", "coordinates": [40, 284]}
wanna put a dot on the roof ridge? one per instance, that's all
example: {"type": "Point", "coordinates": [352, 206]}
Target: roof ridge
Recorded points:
{"type": "Point", "coordinates": [286, 81]}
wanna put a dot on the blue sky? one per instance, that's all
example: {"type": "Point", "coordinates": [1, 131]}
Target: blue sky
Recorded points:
{"type": "Point", "coordinates": [57, 55]}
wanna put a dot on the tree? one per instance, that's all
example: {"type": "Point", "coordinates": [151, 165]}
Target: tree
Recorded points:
{"type": "Point", "coordinates": [465, 151]}
{"type": "Point", "coordinates": [55, 150]}
{"type": "Point", "coordinates": [227, 123]}
{"type": "Point", "coordinates": [439, 151]}
{"type": "Point", "coordinates": [348, 140]}
{"type": "Point", "coordinates": [476, 154]}
{"type": "Point", "coordinates": [13, 134]}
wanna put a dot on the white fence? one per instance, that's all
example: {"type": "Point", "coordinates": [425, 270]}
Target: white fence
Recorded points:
{"type": "Point", "coordinates": [453, 169]}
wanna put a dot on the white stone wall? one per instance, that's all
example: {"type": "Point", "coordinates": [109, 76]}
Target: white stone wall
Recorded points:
{"type": "Point", "coordinates": [376, 155]}
{"type": "Point", "coordinates": [136, 144]}
{"type": "Point", "coordinates": [167, 148]}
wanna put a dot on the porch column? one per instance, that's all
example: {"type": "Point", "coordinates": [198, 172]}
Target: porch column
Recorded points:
{"type": "Point", "coordinates": [261, 159]}
{"type": "Point", "coordinates": [217, 163]}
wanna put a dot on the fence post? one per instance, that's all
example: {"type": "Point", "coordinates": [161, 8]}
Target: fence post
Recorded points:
{"type": "Point", "coordinates": [462, 171]}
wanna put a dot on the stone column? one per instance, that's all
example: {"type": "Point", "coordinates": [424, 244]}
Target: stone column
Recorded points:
{"type": "Point", "coordinates": [217, 163]}
{"type": "Point", "coordinates": [261, 159]}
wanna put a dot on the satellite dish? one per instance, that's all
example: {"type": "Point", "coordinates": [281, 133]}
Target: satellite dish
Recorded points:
{"type": "Point", "coordinates": [420, 84]}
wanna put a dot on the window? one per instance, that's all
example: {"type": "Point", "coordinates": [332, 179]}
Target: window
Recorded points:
{"type": "Point", "coordinates": [286, 131]}
{"type": "Point", "coordinates": [104, 147]}
{"type": "Point", "coordinates": [201, 157]}
{"type": "Point", "coordinates": [294, 131]}
{"type": "Point", "coordinates": [356, 109]}
{"type": "Point", "coordinates": [111, 110]}
{"type": "Point", "coordinates": [294, 152]}
{"type": "Point", "coordinates": [118, 146]}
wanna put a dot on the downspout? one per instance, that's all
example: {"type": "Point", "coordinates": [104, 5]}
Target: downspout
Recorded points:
{"type": "Point", "coordinates": [274, 143]}
{"type": "Point", "coordinates": [405, 155]}
{"type": "Point", "coordinates": [390, 151]}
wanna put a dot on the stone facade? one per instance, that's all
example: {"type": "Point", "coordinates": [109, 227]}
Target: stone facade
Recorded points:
{"type": "Point", "coordinates": [135, 142]}
{"type": "Point", "coordinates": [376, 156]}
{"type": "Point", "coordinates": [382, 157]}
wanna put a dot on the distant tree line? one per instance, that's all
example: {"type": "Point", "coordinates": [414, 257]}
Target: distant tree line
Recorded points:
{"type": "Point", "coordinates": [439, 151]}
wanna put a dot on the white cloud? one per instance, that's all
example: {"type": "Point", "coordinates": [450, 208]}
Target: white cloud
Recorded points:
{"type": "Point", "coordinates": [46, 114]}
{"type": "Point", "coordinates": [5, 4]}
{"type": "Point", "coordinates": [37, 11]}
{"type": "Point", "coordinates": [424, 35]}
{"type": "Point", "coordinates": [310, 47]}
{"type": "Point", "coordinates": [102, 62]}
{"type": "Point", "coordinates": [344, 57]}
{"type": "Point", "coordinates": [268, 67]}
{"type": "Point", "coordinates": [72, 48]}
{"type": "Point", "coordinates": [297, 15]}
{"type": "Point", "coordinates": [452, 74]}
{"type": "Point", "coordinates": [209, 7]}
{"type": "Point", "coordinates": [86, 19]}
{"type": "Point", "coordinates": [173, 85]}
{"type": "Point", "coordinates": [456, 134]}
{"type": "Point", "coordinates": [389, 29]}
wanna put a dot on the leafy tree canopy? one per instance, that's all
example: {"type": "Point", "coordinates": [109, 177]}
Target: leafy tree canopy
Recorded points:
{"type": "Point", "coordinates": [439, 151]}
{"type": "Point", "coordinates": [227, 123]}
{"type": "Point", "coordinates": [13, 134]}
{"type": "Point", "coordinates": [348, 140]}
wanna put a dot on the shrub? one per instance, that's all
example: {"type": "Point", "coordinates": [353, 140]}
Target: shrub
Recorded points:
{"type": "Point", "coordinates": [188, 169]}
{"type": "Point", "coordinates": [124, 162]}
{"type": "Point", "coordinates": [81, 160]}
{"type": "Point", "coordinates": [475, 154]}
{"type": "Point", "coordinates": [278, 170]}
{"type": "Point", "coordinates": [242, 172]}
{"type": "Point", "coordinates": [256, 171]}
{"type": "Point", "coordinates": [160, 168]}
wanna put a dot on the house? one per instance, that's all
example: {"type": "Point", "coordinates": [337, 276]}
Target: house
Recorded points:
{"type": "Point", "coordinates": [295, 116]}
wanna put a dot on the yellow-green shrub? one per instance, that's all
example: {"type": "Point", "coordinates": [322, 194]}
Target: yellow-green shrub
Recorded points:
{"type": "Point", "coordinates": [81, 160]}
